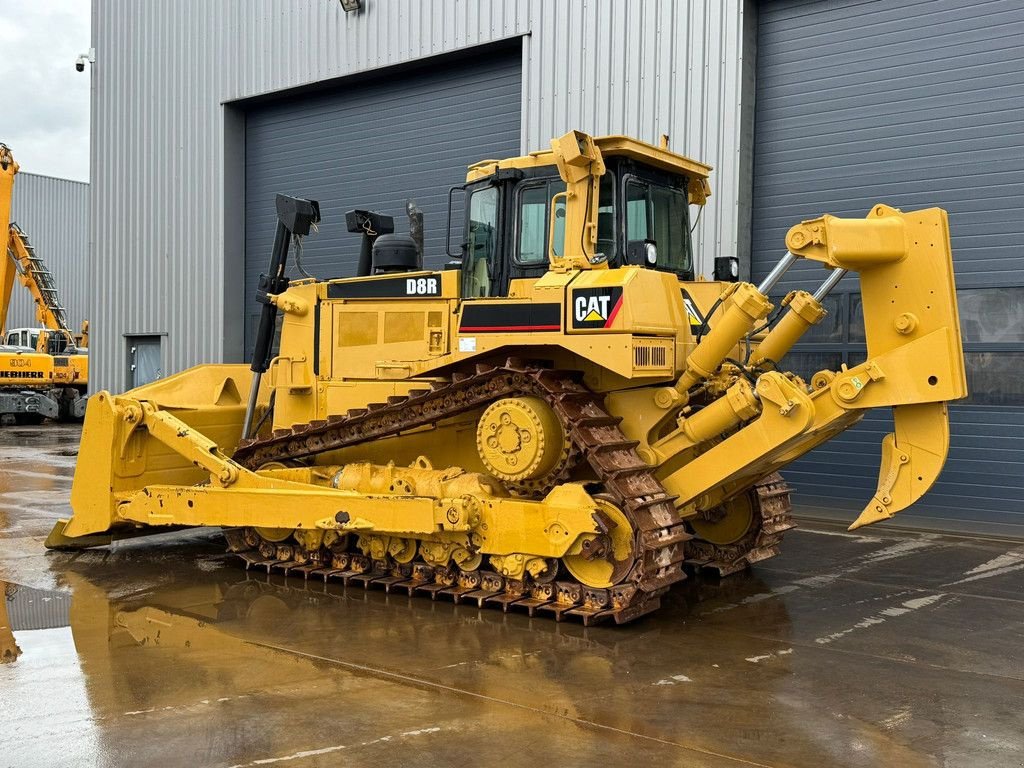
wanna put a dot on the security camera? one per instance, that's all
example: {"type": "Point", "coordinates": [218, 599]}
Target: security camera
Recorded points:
{"type": "Point", "coordinates": [85, 58]}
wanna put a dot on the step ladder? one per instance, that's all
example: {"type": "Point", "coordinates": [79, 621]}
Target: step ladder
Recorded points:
{"type": "Point", "coordinates": [38, 279]}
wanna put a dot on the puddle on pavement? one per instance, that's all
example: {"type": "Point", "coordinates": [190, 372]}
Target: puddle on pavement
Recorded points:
{"type": "Point", "coordinates": [26, 610]}
{"type": "Point", "coordinates": [175, 638]}
{"type": "Point", "coordinates": [176, 633]}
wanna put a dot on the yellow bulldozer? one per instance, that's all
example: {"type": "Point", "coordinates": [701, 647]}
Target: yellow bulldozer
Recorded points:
{"type": "Point", "coordinates": [564, 420]}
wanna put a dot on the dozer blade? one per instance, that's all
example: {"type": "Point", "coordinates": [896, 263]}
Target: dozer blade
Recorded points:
{"type": "Point", "coordinates": [119, 457]}
{"type": "Point", "coordinates": [912, 458]}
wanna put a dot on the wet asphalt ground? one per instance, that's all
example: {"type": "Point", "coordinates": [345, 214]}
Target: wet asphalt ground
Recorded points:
{"type": "Point", "coordinates": [879, 648]}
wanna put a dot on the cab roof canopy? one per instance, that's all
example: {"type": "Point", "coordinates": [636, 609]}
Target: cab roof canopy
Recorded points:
{"type": "Point", "coordinates": [613, 146]}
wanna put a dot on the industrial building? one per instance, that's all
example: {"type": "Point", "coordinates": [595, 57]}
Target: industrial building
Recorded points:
{"type": "Point", "coordinates": [802, 106]}
{"type": "Point", "coordinates": [54, 214]}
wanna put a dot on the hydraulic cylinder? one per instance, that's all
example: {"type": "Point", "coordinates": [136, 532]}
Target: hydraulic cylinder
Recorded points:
{"type": "Point", "coordinates": [743, 309]}
{"type": "Point", "coordinates": [738, 404]}
{"type": "Point", "coordinates": [805, 311]}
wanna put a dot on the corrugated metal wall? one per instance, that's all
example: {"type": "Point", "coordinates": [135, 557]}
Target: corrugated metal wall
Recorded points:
{"type": "Point", "coordinates": [29, 608]}
{"type": "Point", "coordinates": [915, 104]}
{"type": "Point", "coordinates": [329, 147]}
{"type": "Point", "coordinates": [54, 213]}
{"type": "Point", "coordinates": [164, 70]}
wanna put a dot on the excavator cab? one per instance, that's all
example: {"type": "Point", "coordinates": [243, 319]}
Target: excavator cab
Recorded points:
{"type": "Point", "coordinates": [515, 218]}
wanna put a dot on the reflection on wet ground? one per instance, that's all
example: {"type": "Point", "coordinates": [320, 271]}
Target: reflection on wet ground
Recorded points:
{"type": "Point", "coordinates": [850, 650]}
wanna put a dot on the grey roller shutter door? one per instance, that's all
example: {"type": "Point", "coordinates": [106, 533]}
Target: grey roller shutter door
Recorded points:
{"type": "Point", "coordinates": [371, 146]}
{"type": "Point", "coordinates": [912, 103]}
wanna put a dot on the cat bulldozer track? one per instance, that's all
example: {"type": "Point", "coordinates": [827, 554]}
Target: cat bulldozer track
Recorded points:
{"type": "Point", "coordinates": [565, 421]}
{"type": "Point", "coordinates": [626, 480]}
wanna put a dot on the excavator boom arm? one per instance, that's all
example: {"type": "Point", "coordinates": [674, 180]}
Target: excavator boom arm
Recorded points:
{"type": "Point", "coordinates": [8, 169]}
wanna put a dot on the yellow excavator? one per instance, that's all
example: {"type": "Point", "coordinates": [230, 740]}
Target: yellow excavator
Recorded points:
{"type": "Point", "coordinates": [559, 421]}
{"type": "Point", "coordinates": [44, 371]}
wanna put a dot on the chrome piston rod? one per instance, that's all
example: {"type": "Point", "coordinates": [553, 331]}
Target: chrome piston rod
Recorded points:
{"type": "Point", "coordinates": [777, 272]}
{"type": "Point", "coordinates": [830, 282]}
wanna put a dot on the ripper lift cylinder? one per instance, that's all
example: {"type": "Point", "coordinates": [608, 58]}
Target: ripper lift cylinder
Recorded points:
{"type": "Point", "coordinates": [294, 217]}
{"type": "Point", "coordinates": [805, 310]}
{"type": "Point", "coordinates": [773, 277]}
{"type": "Point", "coordinates": [744, 307]}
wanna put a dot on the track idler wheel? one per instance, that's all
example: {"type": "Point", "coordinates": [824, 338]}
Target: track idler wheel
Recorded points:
{"type": "Point", "coordinates": [606, 559]}
{"type": "Point", "coordinates": [744, 530]}
{"type": "Point", "coordinates": [728, 523]}
{"type": "Point", "coordinates": [276, 535]}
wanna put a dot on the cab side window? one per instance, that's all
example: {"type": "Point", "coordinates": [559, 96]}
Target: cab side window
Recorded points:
{"type": "Point", "coordinates": [533, 219]}
{"type": "Point", "coordinates": [533, 225]}
{"type": "Point", "coordinates": [637, 209]}
{"type": "Point", "coordinates": [606, 242]}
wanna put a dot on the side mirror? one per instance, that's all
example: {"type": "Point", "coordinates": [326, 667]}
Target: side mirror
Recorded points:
{"type": "Point", "coordinates": [727, 269]}
{"type": "Point", "coordinates": [642, 253]}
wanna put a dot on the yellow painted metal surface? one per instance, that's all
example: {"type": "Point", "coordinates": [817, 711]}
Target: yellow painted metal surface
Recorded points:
{"type": "Point", "coordinates": [804, 312]}
{"type": "Point", "coordinates": [19, 253]}
{"type": "Point", "coordinates": [168, 471]}
{"type": "Point", "coordinates": [26, 369]}
{"type": "Point", "coordinates": [624, 146]}
{"type": "Point", "coordinates": [702, 413]}
{"type": "Point", "coordinates": [519, 438]}
{"type": "Point", "coordinates": [581, 166]}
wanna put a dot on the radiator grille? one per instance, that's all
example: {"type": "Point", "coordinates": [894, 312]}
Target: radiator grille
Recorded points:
{"type": "Point", "coordinates": [650, 356]}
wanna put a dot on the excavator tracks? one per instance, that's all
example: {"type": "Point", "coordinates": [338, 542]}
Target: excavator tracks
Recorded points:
{"type": "Point", "coordinates": [661, 535]}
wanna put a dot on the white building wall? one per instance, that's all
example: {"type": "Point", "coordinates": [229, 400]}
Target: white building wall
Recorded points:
{"type": "Point", "coordinates": [54, 214]}
{"type": "Point", "coordinates": [164, 143]}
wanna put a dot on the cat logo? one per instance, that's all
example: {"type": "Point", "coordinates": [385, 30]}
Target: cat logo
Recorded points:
{"type": "Point", "coordinates": [595, 307]}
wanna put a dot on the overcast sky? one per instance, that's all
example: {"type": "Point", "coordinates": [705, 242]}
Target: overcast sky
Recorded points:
{"type": "Point", "coordinates": [44, 118]}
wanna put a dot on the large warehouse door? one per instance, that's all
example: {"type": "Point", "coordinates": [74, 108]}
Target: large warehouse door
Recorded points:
{"type": "Point", "coordinates": [913, 103]}
{"type": "Point", "coordinates": [372, 146]}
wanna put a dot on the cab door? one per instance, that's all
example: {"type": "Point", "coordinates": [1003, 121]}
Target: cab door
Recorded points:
{"type": "Point", "coordinates": [531, 220]}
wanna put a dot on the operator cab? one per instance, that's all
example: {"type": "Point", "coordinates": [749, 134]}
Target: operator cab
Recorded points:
{"type": "Point", "coordinates": [57, 342]}
{"type": "Point", "coordinates": [643, 218]}
{"type": "Point", "coordinates": [23, 337]}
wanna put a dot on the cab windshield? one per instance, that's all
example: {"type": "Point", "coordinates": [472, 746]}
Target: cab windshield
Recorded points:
{"type": "Point", "coordinates": [481, 243]}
